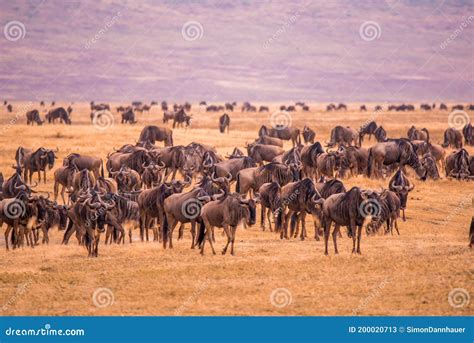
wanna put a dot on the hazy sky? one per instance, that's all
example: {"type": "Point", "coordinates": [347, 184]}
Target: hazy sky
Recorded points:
{"type": "Point", "coordinates": [237, 50]}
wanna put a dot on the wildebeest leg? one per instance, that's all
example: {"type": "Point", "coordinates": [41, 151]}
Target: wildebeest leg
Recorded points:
{"type": "Point", "coordinates": [108, 234]}
{"type": "Point", "coordinates": [56, 190]}
{"type": "Point", "coordinates": [359, 236]}
{"type": "Point", "coordinates": [229, 238]}
{"type": "Point", "coordinates": [284, 233]}
{"type": "Point", "coordinates": [130, 234]}
{"type": "Point", "coordinates": [7, 233]}
{"type": "Point", "coordinates": [394, 222]}
{"type": "Point", "coordinates": [181, 231]}
{"type": "Point", "coordinates": [69, 231]}
{"type": "Point", "coordinates": [233, 230]}
{"type": "Point", "coordinates": [303, 225]}
{"type": "Point", "coordinates": [262, 217]}
{"type": "Point", "coordinates": [327, 228]}
{"type": "Point", "coordinates": [352, 230]}
{"type": "Point", "coordinates": [404, 218]}
{"type": "Point", "coordinates": [193, 234]}
{"type": "Point", "coordinates": [334, 237]}
{"type": "Point", "coordinates": [269, 213]}
{"type": "Point", "coordinates": [172, 224]}
{"type": "Point", "coordinates": [44, 175]}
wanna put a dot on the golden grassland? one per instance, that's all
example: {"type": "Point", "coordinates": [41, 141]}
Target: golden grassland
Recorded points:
{"type": "Point", "coordinates": [410, 274]}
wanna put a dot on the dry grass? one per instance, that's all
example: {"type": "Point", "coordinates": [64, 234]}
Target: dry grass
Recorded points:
{"type": "Point", "coordinates": [410, 274]}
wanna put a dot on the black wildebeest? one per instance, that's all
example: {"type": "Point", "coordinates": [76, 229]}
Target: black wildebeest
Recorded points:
{"type": "Point", "coordinates": [452, 138]}
{"type": "Point", "coordinates": [380, 134]}
{"type": "Point", "coordinates": [152, 133]}
{"type": "Point", "coordinates": [32, 117]}
{"type": "Point", "coordinates": [400, 184]}
{"type": "Point", "coordinates": [224, 123]}
{"type": "Point", "coordinates": [58, 113]}
{"type": "Point", "coordinates": [226, 213]}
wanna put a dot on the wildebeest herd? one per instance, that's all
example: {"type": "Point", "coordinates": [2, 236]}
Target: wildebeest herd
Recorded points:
{"type": "Point", "coordinates": [144, 186]}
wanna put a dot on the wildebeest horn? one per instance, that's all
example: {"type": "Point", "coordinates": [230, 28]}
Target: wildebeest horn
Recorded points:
{"type": "Point", "coordinates": [219, 195]}
{"type": "Point", "coordinates": [319, 201]}
{"type": "Point", "coordinates": [186, 182]}
{"type": "Point", "coordinates": [398, 188]}
{"type": "Point", "coordinates": [229, 176]}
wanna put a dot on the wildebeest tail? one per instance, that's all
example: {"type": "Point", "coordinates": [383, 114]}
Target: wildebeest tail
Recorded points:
{"type": "Point", "coordinates": [237, 185]}
{"type": "Point", "coordinates": [201, 232]}
{"type": "Point", "coordinates": [369, 163]}
{"type": "Point", "coordinates": [279, 220]}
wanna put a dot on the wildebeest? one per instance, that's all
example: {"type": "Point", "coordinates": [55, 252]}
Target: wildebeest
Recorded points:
{"type": "Point", "coordinates": [351, 161]}
{"type": "Point", "coordinates": [346, 209]}
{"type": "Point", "coordinates": [267, 140]}
{"type": "Point", "coordinates": [388, 212]}
{"type": "Point", "coordinates": [471, 233]}
{"type": "Point", "coordinates": [285, 133]}
{"type": "Point", "coordinates": [233, 166]}
{"type": "Point", "coordinates": [128, 179]}
{"type": "Point", "coordinates": [380, 134]}
{"type": "Point", "coordinates": [415, 134]}
{"type": "Point", "coordinates": [452, 138]}
{"type": "Point", "coordinates": [263, 109]}
{"type": "Point", "coordinates": [263, 153]}
{"type": "Point", "coordinates": [167, 116]}
{"type": "Point", "coordinates": [226, 213]}
{"type": "Point", "coordinates": [64, 176]}
{"type": "Point", "coordinates": [180, 118]}
{"type": "Point", "coordinates": [429, 163]}
{"type": "Point", "coordinates": [400, 184]}
{"type": "Point", "coordinates": [152, 133]}
{"type": "Point", "coordinates": [134, 160]}
{"type": "Point", "coordinates": [368, 128]}
{"type": "Point", "coordinates": [468, 134]}
{"type": "Point", "coordinates": [32, 117]}
{"type": "Point", "coordinates": [224, 123]}
{"type": "Point", "coordinates": [308, 135]}
{"type": "Point", "coordinates": [58, 113]}
{"type": "Point", "coordinates": [309, 156]}
{"type": "Point", "coordinates": [458, 165]}
{"type": "Point", "coordinates": [269, 196]}
{"type": "Point", "coordinates": [35, 161]}
{"type": "Point", "coordinates": [363, 108]}
{"type": "Point", "coordinates": [443, 107]}
{"type": "Point", "coordinates": [128, 117]}
{"type": "Point", "coordinates": [342, 136]}
{"type": "Point", "coordinates": [393, 151]}
{"type": "Point", "coordinates": [91, 163]}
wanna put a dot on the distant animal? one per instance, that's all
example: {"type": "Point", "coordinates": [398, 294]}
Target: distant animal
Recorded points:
{"type": "Point", "coordinates": [452, 138]}
{"type": "Point", "coordinates": [58, 113]}
{"type": "Point", "coordinates": [32, 117]}
{"type": "Point", "coordinates": [152, 133]}
{"type": "Point", "coordinates": [224, 123]}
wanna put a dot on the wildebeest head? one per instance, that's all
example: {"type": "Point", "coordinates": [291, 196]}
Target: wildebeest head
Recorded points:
{"type": "Point", "coordinates": [249, 207]}
{"type": "Point", "coordinates": [401, 186]}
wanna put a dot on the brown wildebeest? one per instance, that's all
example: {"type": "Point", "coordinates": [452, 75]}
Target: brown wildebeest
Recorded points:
{"type": "Point", "coordinates": [282, 132]}
{"type": "Point", "coordinates": [64, 176]}
{"type": "Point", "coordinates": [394, 151]}
{"type": "Point", "coordinates": [343, 136]}
{"type": "Point", "coordinates": [400, 184]}
{"type": "Point", "coordinates": [267, 140]}
{"type": "Point", "coordinates": [389, 212]}
{"type": "Point", "coordinates": [35, 161]}
{"type": "Point", "coordinates": [269, 196]}
{"type": "Point", "coordinates": [263, 153]}
{"type": "Point", "coordinates": [458, 165]}
{"type": "Point", "coordinates": [308, 135]}
{"type": "Point", "coordinates": [309, 156]}
{"type": "Point", "coordinates": [344, 209]}
{"type": "Point", "coordinates": [152, 133]}
{"type": "Point", "coordinates": [224, 123]}
{"type": "Point", "coordinates": [415, 134]}
{"type": "Point", "coordinates": [58, 113]}
{"type": "Point", "coordinates": [32, 117]}
{"type": "Point", "coordinates": [91, 163]}
{"type": "Point", "coordinates": [452, 138]}
{"type": "Point", "coordinates": [369, 129]}
{"type": "Point", "coordinates": [468, 134]}
{"type": "Point", "coordinates": [226, 213]}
